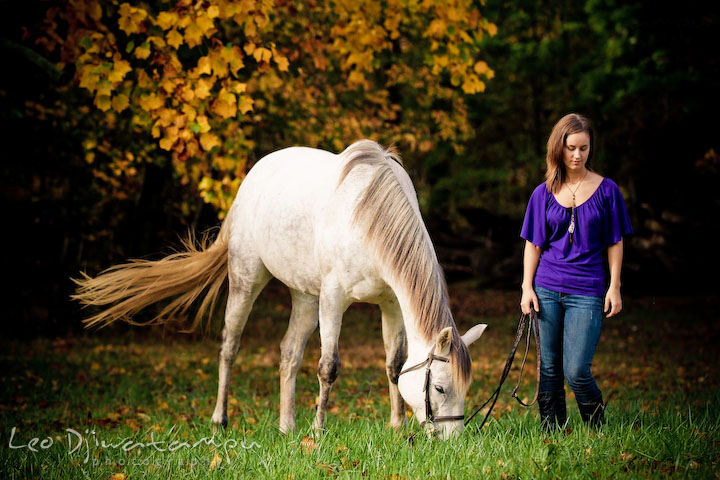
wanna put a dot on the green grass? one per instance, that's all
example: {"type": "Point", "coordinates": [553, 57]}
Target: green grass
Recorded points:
{"type": "Point", "coordinates": [141, 385]}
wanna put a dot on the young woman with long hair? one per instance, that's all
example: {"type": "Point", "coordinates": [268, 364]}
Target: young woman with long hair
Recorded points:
{"type": "Point", "coordinates": [571, 220]}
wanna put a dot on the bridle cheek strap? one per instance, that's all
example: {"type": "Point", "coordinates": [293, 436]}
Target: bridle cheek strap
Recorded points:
{"type": "Point", "coordinates": [426, 388]}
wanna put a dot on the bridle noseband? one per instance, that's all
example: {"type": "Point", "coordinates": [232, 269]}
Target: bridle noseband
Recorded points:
{"type": "Point", "coordinates": [429, 417]}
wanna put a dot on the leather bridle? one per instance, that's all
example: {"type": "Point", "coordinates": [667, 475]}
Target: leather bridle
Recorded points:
{"type": "Point", "coordinates": [429, 417]}
{"type": "Point", "coordinates": [525, 322]}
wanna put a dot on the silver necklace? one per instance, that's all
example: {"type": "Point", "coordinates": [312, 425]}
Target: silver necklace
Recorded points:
{"type": "Point", "coordinates": [571, 228]}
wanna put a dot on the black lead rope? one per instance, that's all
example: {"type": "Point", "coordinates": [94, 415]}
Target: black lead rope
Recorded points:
{"type": "Point", "coordinates": [523, 325]}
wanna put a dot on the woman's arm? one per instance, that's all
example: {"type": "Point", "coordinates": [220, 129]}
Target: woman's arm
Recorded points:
{"type": "Point", "coordinates": [613, 300]}
{"type": "Point", "coordinates": [531, 257]}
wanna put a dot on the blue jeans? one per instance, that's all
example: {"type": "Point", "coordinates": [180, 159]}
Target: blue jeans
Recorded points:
{"type": "Point", "coordinates": [570, 327]}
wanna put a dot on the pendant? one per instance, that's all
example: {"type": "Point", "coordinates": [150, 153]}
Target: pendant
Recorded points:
{"type": "Point", "coordinates": [571, 228]}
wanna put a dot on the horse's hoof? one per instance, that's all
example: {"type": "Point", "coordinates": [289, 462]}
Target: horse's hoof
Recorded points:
{"type": "Point", "coordinates": [219, 426]}
{"type": "Point", "coordinates": [397, 424]}
{"type": "Point", "coordinates": [318, 430]}
{"type": "Point", "coordinates": [287, 429]}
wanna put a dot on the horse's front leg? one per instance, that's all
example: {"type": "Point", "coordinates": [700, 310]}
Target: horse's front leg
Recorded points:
{"type": "Point", "coordinates": [395, 341]}
{"type": "Point", "coordinates": [332, 306]}
{"type": "Point", "coordinates": [303, 321]}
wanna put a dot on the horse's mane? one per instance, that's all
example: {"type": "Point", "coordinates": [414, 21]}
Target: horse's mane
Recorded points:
{"type": "Point", "coordinates": [397, 233]}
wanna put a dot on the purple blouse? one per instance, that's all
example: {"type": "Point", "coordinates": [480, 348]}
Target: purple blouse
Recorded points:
{"type": "Point", "coordinates": [577, 267]}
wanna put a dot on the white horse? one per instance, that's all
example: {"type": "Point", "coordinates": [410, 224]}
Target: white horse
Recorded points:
{"type": "Point", "coordinates": [336, 229]}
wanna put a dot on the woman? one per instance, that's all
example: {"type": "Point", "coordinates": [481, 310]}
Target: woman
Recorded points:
{"type": "Point", "coordinates": [570, 220]}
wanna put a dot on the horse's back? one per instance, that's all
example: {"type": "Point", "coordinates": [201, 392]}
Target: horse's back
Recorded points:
{"type": "Point", "coordinates": [291, 213]}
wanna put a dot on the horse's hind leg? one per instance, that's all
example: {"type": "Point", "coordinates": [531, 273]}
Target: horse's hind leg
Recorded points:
{"type": "Point", "coordinates": [394, 337]}
{"type": "Point", "coordinates": [303, 321]}
{"type": "Point", "coordinates": [244, 288]}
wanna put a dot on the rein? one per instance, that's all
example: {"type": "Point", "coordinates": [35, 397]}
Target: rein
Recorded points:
{"type": "Point", "coordinates": [523, 324]}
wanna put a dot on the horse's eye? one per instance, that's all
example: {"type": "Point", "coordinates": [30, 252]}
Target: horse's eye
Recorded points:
{"type": "Point", "coordinates": [439, 389]}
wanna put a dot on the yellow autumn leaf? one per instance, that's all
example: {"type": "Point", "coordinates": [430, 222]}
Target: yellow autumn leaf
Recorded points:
{"type": "Point", "coordinates": [187, 93]}
{"type": "Point", "coordinates": [473, 84]}
{"type": "Point", "coordinates": [193, 35]}
{"type": "Point", "coordinates": [118, 476]}
{"type": "Point", "coordinates": [120, 102]}
{"type": "Point", "coordinates": [120, 69]}
{"type": "Point", "coordinates": [282, 63]}
{"type": "Point", "coordinates": [169, 84]}
{"type": "Point", "coordinates": [165, 116]}
{"type": "Point", "coordinates": [356, 78]}
{"type": "Point", "coordinates": [233, 57]}
{"type": "Point", "coordinates": [157, 41]}
{"type": "Point", "coordinates": [208, 141]}
{"type": "Point", "coordinates": [143, 51]}
{"type": "Point", "coordinates": [239, 87]}
{"type": "Point", "coordinates": [481, 67]}
{"type": "Point", "coordinates": [103, 102]}
{"type": "Point", "coordinates": [225, 105]}
{"type": "Point", "coordinates": [183, 21]}
{"type": "Point", "coordinates": [104, 87]}
{"type": "Point", "coordinates": [166, 20]}
{"type": "Point", "coordinates": [167, 143]}
{"type": "Point", "coordinates": [192, 148]}
{"type": "Point", "coordinates": [88, 77]}
{"type": "Point", "coordinates": [219, 65]}
{"type": "Point", "coordinates": [131, 18]}
{"type": "Point", "coordinates": [203, 65]}
{"type": "Point", "coordinates": [436, 29]}
{"type": "Point", "coordinates": [202, 88]}
{"type": "Point", "coordinates": [205, 24]}
{"type": "Point", "coordinates": [262, 54]}
{"type": "Point", "coordinates": [151, 102]}
{"type": "Point", "coordinates": [174, 39]}
{"type": "Point", "coordinates": [492, 29]}
{"type": "Point", "coordinates": [245, 104]}
{"type": "Point", "coordinates": [190, 112]}
{"type": "Point", "coordinates": [250, 28]}
{"type": "Point", "coordinates": [213, 11]}
{"type": "Point", "coordinates": [202, 121]}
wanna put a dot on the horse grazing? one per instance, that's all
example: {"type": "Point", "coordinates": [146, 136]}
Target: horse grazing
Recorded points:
{"type": "Point", "coordinates": [336, 229]}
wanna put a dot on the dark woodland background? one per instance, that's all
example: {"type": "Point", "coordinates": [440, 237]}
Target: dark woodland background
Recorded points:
{"type": "Point", "coordinates": [646, 73]}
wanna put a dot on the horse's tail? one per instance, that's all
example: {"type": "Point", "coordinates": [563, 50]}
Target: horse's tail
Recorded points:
{"type": "Point", "coordinates": [123, 290]}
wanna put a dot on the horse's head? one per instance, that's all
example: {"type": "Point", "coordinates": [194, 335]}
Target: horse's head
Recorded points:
{"type": "Point", "coordinates": [433, 388]}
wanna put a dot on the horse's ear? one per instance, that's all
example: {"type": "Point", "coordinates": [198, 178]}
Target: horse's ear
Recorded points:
{"type": "Point", "coordinates": [474, 333]}
{"type": "Point", "coordinates": [444, 341]}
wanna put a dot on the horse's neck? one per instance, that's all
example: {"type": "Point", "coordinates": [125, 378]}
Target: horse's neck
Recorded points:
{"type": "Point", "coordinates": [418, 345]}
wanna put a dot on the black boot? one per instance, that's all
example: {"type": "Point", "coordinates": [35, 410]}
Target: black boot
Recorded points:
{"type": "Point", "coordinates": [593, 412]}
{"type": "Point", "coordinates": [553, 413]}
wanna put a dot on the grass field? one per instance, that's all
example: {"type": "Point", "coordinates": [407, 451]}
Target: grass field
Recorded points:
{"type": "Point", "coordinates": [136, 403]}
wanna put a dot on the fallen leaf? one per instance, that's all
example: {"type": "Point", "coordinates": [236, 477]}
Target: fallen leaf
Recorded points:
{"type": "Point", "coordinates": [217, 460]}
{"type": "Point", "coordinates": [308, 445]}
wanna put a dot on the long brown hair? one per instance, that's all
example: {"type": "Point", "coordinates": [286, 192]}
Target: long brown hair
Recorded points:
{"type": "Point", "coordinates": [566, 126]}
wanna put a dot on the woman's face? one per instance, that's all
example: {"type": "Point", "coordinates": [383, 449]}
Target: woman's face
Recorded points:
{"type": "Point", "coordinates": [575, 155]}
